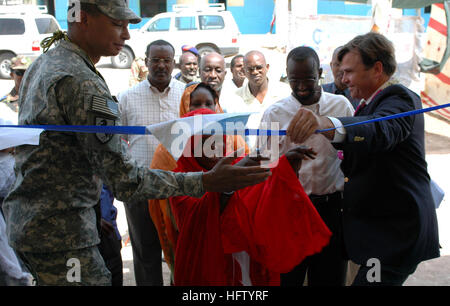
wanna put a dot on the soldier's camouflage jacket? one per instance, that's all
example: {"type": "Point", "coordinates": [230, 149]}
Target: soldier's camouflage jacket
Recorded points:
{"type": "Point", "coordinates": [50, 207]}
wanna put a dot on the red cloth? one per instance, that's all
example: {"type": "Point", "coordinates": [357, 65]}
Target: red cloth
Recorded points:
{"type": "Point", "coordinates": [274, 222]}
{"type": "Point", "coordinates": [200, 111]}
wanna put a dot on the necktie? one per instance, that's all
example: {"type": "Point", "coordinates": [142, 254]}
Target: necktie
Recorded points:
{"type": "Point", "coordinates": [360, 107]}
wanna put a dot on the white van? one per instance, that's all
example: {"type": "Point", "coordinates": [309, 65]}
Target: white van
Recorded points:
{"type": "Point", "coordinates": [210, 28]}
{"type": "Point", "coordinates": [22, 28]}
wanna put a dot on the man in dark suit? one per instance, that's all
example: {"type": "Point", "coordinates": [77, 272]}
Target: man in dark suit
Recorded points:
{"type": "Point", "coordinates": [337, 87]}
{"type": "Point", "coordinates": [390, 223]}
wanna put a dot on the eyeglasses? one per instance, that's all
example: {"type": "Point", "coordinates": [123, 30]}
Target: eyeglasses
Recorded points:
{"type": "Point", "coordinates": [306, 82]}
{"type": "Point", "coordinates": [18, 72]}
{"type": "Point", "coordinates": [157, 60]}
{"type": "Point", "coordinates": [254, 68]}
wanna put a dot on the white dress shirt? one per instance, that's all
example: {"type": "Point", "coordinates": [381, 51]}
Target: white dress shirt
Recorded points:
{"type": "Point", "coordinates": [142, 105]}
{"type": "Point", "coordinates": [323, 174]}
{"type": "Point", "coordinates": [229, 85]}
{"type": "Point", "coordinates": [228, 96]}
{"type": "Point", "coordinates": [275, 92]}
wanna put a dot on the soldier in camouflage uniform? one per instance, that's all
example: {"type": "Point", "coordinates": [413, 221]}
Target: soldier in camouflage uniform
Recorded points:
{"type": "Point", "coordinates": [19, 65]}
{"type": "Point", "coordinates": [138, 71]}
{"type": "Point", "coordinates": [50, 216]}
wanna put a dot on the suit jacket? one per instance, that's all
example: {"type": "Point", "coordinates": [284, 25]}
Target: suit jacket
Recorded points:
{"type": "Point", "coordinates": [388, 207]}
{"type": "Point", "coordinates": [331, 88]}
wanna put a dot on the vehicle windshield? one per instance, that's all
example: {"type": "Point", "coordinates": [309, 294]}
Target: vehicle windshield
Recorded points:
{"type": "Point", "coordinates": [46, 25]}
{"type": "Point", "coordinates": [211, 22]}
{"type": "Point", "coordinates": [12, 26]}
{"type": "Point", "coordinates": [158, 25]}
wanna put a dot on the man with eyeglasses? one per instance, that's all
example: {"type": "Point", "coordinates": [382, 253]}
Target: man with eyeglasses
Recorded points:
{"type": "Point", "coordinates": [151, 101]}
{"type": "Point", "coordinates": [258, 93]}
{"type": "Point", "coordinates": [321, 178]}
{"type": "Point", "coordinates": [19, 65]}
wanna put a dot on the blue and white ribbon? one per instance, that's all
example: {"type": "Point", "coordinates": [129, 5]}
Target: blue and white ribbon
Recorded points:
{"type": "Point", "coordinates": [166, 131]}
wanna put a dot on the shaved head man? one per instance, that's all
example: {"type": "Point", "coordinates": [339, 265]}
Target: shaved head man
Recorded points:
{"type": "Point", "coordinates": [258, 93]}
{"type": "Point", "coordinates": [212, 70]}
{"type": "Point", "coordinates": [256, 68]}
{"type": "Point", "coordinates": [188, 67]}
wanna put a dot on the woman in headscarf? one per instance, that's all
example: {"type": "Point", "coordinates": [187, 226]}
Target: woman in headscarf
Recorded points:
{"type": "Point", "coordinates": [247, 237]}
{"type": "Point", "coordinates": [160, 211]}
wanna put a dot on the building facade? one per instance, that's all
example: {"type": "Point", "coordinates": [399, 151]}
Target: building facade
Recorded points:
{"type": "Point", "coordinates": [252, 16]}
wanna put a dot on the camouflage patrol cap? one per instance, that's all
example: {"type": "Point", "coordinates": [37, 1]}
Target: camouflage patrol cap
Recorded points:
{"type": "Point", "coordinates": [117, 9]}
{"type": "Point", "coordinates": [20, 62]}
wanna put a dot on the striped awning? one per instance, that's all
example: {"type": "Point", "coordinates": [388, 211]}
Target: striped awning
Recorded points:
{"type": "Point", "coordinates": [437, 80]}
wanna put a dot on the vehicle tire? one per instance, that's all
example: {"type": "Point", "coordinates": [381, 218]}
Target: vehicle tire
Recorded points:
{"type": "Point", "coordinates": [5, 63]}
{"type": "Point", "coordinates": [123, 60]}
{"type": "Point", "coordinates": [203, 50]}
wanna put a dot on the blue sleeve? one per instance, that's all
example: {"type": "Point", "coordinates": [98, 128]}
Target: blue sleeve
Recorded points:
{"type": "Point", "coordinates": [109, 212]}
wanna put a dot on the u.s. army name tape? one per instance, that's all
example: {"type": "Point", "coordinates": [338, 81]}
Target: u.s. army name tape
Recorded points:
{"type": "Point", "coordinates": [143, 130]}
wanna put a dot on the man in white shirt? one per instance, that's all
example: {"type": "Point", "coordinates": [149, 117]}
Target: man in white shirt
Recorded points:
{"type": "Point", "coordinates": [151, 101]}
{"type": "Point", "coordinates": [238, 75]}
{"type": "Point", "coordinates": [321, 177]}
{"type": "Point", "coordinates": [259, 93]}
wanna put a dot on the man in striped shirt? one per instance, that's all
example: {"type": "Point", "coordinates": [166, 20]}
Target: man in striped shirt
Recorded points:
{"type": "Point", "coordinates": [151, 101]}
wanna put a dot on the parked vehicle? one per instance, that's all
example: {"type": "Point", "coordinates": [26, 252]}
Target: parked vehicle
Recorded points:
{"type": "Point", "coordinates": [211, 28]}
{"type": "Point", "coordinates": [22, 28]}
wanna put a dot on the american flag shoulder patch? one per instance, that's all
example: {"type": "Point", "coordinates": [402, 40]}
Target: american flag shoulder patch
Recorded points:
{"type": "Point", "coordinates": [104, 106]}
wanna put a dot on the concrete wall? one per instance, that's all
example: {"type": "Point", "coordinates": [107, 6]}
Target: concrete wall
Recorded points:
{"type": "Point", "coordinates": [254, 17]}
{"type": "Point", "coordinates": [342, 8]}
